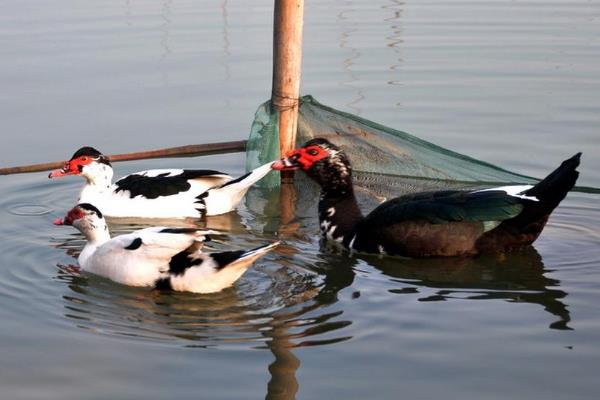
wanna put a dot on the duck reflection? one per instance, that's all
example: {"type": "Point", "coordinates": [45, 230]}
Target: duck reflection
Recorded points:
{"type": "Point", "coordinates": [276, 306]}
{"type": "Point", "coordinates": [516, 277]}
{"type": "Point", "coordinates": [269, 299]}
{"type": "Point", "coordinates": [291, 299]}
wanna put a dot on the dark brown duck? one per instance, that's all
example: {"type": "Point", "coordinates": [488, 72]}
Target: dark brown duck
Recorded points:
{"type": "Point", "coordinates": [429, 224]}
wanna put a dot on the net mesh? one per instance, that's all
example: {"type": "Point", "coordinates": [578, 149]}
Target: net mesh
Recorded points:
{"type": "Point", "coordinates": [384, 159]}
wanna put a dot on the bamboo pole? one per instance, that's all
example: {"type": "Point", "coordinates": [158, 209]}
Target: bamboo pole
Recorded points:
{"type": "Point", "coordinates": [287, 64]}
{"type": "Point", "coordinates": [181, 151]}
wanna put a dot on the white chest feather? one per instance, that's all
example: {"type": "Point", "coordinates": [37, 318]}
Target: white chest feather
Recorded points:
{"type": "Point", "coordinates": [128, 269]}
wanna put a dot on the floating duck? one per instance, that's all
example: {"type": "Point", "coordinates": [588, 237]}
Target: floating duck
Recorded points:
{"type": "Point", "coordinates": [158, 257]}
{"type": "Point", "coordinates": [160, 193]}
{"type": "Point", "coordinates": [428, 224]}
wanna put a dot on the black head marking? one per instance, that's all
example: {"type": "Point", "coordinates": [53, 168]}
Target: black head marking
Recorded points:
{"type": "Point", "coordinates": [86, 151]}
{"type": "Point", "coordinates": [322, 142]}
{"type": "Point", "coordinates": [135, 244]}
{"type": "Point", "coordinates": [92, 153]}
{"type": "Point", "coordinates": [334, 172]}
{"type": "Point", "coordinates": [90, 207]}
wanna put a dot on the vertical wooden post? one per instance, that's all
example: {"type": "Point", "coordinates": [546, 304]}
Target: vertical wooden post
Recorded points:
{"type": "Point", "coordinates": [287, 65]}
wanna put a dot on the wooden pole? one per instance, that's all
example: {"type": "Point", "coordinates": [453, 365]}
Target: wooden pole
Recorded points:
{"type": "Point", "coordinates": [288, 22]}
{"type": "Point", "coordinates": [181, 151]}
{"type": "Point", "coordinates": [287, 64]}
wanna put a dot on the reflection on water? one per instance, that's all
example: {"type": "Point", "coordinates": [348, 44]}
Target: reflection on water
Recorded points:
{"type": "Point", "coordinates": [345, 39]}
{"type": "Point", "coordinates": [308, 320]}
{"type": "Point", "coordinates": [273, 307]}
{"type": "Point", "coordinates": [395, 40]}
{"type": "Point", "coordinates": [516, 277]}
{"type": "Point", "coordinates": [290, 299]}
{"type": "Point", "coordinates": [273, 297]}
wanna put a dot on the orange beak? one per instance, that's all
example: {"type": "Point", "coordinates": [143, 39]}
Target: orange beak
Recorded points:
{"type": "Point", "coordinates": [64, 171]}
{"type": "Point", "coordinates": [289, 163]}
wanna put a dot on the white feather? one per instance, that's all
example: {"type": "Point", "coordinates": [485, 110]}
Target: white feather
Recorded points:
{"type": "Point", "coordinates": [143, 258]}
{"type": "Point", "coordinates": [205, 278]}
{"type": "Point", "coordinates": [514, 191]}
{"type": "Point", "coordinates": [139, 267]}
{"type": "Point", "coordinates": [351, 244]}
{"type": "Point", "coordinates": [224, 198]}
{"type": "Point", "coordinates": [221, 199]}
{"type": "Point", "coordinates": [157, 172]}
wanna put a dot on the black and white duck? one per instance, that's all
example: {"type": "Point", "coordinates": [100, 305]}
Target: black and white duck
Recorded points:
{"type": "Point", "coordinates": [159, 193]}
{"type": "Point", "coordinates": [157, 257]}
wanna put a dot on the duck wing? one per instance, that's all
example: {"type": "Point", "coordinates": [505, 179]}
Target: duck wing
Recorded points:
{"type": "Point", "coordinates": [448, 206]}
{"type": "Point", "coordinates": [141, 257]}
{"type": "Point", "coordinates": [167, 182]}
{"type": "Point", "coordinates": [443, 223]}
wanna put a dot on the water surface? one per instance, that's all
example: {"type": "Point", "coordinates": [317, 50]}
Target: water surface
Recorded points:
{"type": "Point", "coordinates": [513, 83]}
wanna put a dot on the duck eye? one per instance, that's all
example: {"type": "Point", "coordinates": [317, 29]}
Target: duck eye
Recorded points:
{"type": "Point", "coordinates": [313, 152]}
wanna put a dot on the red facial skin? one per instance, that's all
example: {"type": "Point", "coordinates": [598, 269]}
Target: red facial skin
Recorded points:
{"type": "Point", "coordinates": [71, 167]}
{"type": "Point", "coordinates": [303, 158]}
{"type": "Point", "coordinates": [75, 214]}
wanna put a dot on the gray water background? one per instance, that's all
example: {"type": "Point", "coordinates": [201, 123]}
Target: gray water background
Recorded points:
{"type": "Point", "coordinates": [515, 83]}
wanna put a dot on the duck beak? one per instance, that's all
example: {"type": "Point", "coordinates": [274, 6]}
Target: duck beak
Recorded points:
{"type": "Point", "coordinates": [289, 163]}
{"type": "Point", "coordinates": [64, 171]}
{"type": "Point", "coordinates": [67, 220]}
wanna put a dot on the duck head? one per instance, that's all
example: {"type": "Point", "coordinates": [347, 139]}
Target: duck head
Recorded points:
{"type": "Point", "coordinates": [89, 163]}
{"type": "Point", "coordinates": [88, 220]}
{"type": "Point", "coordinates": [321, 160]}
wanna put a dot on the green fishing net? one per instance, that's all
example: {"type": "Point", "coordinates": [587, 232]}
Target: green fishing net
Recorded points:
{"type": "Point", "coordinates": [381, 156]}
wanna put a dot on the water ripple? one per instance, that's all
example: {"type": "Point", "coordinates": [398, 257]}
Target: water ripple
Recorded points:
{"type": "Point", "coordinates": [266, 299]}
{"type": "Point", "coordinates": [29, 210]}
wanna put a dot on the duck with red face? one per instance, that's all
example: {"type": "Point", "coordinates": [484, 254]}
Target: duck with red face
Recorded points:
{"type": "Point", "coordinates": [87, 162]}
{"type": "Point", "coordinates": [161, 193]}
{"type": "Point", "coordinates": [159, 257]}
{"type": "Point", "coordinates": [428, 224]}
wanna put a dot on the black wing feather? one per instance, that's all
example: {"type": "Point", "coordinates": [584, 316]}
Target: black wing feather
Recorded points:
{"type": "Point", "coordinates": [447, 206]}
{"type": "Point", "coordinates": [152, 187]}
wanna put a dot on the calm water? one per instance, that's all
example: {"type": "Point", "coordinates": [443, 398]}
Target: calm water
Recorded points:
{"type": "Point", "coordinates": [511, 82]}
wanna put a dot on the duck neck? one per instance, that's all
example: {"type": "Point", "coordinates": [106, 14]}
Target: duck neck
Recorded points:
{"type": "Point", "coordinates": [98, 176]}
{"type": "Point", "coordinates": [338, 213]}
{"type": "Point", "coordinates": [98, 235]}
{"type": "Point", "coordinates": [95, 238]}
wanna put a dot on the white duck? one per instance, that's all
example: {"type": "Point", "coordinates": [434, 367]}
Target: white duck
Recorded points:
{"type": "Point", "coordinates": [159, 193]}
{"type": "Point", "coordinates": [157, 257]}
